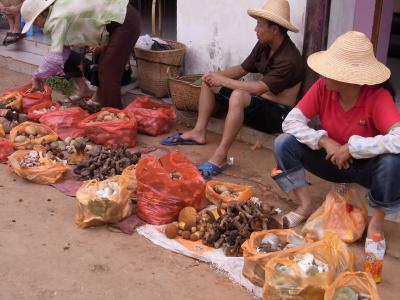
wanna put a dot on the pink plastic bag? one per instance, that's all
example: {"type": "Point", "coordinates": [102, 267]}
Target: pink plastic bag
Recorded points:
{"type": "Point", "coordinates": [152, 117]}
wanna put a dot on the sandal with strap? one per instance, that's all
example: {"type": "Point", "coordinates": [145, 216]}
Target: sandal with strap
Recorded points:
{"type": "Point", "coordinates": [292, 219]}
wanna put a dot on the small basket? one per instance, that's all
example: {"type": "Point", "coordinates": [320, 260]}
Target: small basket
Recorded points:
{"type": "Point", "coordinates": [154, 67]}
{"type": "Point", "coordinates": [185, 95]}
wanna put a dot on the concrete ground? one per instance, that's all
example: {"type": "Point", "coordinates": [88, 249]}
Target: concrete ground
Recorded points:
{"type": "Point", "coordinates": [44, 255]}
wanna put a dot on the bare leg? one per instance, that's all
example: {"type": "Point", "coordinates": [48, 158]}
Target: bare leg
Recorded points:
{"type": "Point", "coordinates": [206, 106]}
{"type": "Point", "coordinates": [10, 20]}
{"type": "Point", "coordinates": [17, 23]}
{"type": "Point", "coordinates": [82, 87]}
{"type": "Point", "coordinates": [238, 101]}
{"type": "Point", "coordinates": [376, 222]}
{"type": "Point", "coordinates": [304, 200]}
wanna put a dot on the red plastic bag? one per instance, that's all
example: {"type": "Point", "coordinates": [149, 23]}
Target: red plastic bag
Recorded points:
{"type": "Point", "coordinates": [110, 132]}
{"type": "Point", "coordinates": [152, 117]}
{"type": "Point", "coordinates": [29, 98]}
{"type": "Point", "coordinates": [166, 185]}
{"type": "Point", "coordinates": [35, 116]}
{"type": "Point", "coordinates": [6, 149]}
{"type": "Point", "coordinates": [65, 122]}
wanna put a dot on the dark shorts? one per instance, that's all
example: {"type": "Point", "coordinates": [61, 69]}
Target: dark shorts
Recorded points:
{"type": "Point", "coordinates": [262, 114]}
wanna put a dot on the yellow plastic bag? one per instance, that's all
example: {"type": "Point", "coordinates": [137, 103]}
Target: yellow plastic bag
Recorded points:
{"type": "Point", "coordinates": [46, 135]}
{"type": "Point", "coordinates": [255, 261]}
{"type": "Point", "coordinates": [228, 193]}
{"type": "Point", "coordinates": [2, 133]}
{"type": "Point", "coordinates": [340, 215]}
{"type": "Point", "coordinates": [96, 205]}
{"type": "Point", "coordinates": [11, 100]}
{"type": "Point", "coordinates": [358, 281]}
{"type": "Point", "coordinates": [287, 279]}
{"type": "Point", "coordinates": [130, 173]}
{"type": "Point", "coordinates": [49, 172]}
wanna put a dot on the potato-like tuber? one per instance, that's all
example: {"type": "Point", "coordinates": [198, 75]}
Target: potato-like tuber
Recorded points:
{"type": "Point", "coordinates": [186, 235]}
{"type": "Point", "coordinates": [31, 130]}
{"type": "Point", "coordinates": [188, 216]}
{"type": "Point", "coordinates": [171, 231]}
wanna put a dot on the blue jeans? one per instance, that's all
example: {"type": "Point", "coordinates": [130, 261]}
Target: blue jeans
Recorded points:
{"type": "Point", "coordinates": [378, 174]}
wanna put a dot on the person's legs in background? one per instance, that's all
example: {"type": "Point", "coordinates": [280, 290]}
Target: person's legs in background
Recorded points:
{"type": "Point", "coordinates": [114, 57]}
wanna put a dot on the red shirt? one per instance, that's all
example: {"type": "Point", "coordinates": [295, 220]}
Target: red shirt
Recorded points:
{"type": "Point", "coordinates": [373, 113]}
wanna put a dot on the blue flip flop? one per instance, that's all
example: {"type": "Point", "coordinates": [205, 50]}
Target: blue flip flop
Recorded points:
{"type": "Point", "coordinates": [176, 139]}
{"type": "Point", "coordinates": [209, 170]}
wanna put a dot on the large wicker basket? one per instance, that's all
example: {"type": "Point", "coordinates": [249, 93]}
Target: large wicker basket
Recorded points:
{"type": "Point", "coordinates": [154, 68]}
{"type": "Point", "coordinates": [185, 95]}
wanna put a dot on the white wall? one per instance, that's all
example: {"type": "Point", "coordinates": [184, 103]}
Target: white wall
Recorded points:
{"type": "Point", "coordinates": [219, 33]}
{"type": "Point", "coordinates": [341, 18]}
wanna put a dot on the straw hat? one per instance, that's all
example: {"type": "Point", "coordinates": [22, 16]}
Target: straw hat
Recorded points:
{"type": "Point", "coordinates": [277, 11]}
{"type": "Point", "coordinates": [350, 59]}
{"type": "Point", "coordinates": [31, 9]}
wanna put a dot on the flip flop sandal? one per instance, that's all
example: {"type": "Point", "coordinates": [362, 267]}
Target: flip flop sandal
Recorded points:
{"type": "Point", "coordinates": [12, 38]}
{"type": "Point", "coordinates": [208, 170]}
{"type": "Point", "coordinates": [292, 219]}
{"type": "Point", "coordinates": [176, 139]}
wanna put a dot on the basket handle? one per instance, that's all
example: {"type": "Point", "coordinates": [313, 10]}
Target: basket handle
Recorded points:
{"type": "Point", "coordinates": [153, 17]}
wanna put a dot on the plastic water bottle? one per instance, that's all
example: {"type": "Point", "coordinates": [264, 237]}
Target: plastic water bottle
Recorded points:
{"type": "Point", "coordinates": [374, 255]}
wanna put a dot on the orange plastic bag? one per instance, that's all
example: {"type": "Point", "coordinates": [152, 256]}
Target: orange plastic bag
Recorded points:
{"type": "Point", "coordinates": [255, 261]}
{"type": "Point", "coordinates": [30, 98]}
{"type": "Point", "coordinates": [6, 149]}
{"type": "Point", "coordinates": [95, 206]}
{"type": "Point", "coordinates": [358, 281]}
{"type": "Point", "coordinates": [47, 135]}
{"type": "Point", "coordinates": [111, 132]}
{"type": "Point", "coordinates": [65, 122]}
{"type": "Point", "coordinates": [2, 133]}
{"type": "Point", "coordinates": [11, 100]}
{"type": "Point", "coordinates": [152, 117]}
{"type": "Point", "coordinates": [166, 185]}
{"type": "Point", "coordinates": [231, 193]}
{"type": "Point", "coordinates": [49, 172]}
{"type": "Point", "coordinates": [34, 113]}
{"type": "Point", "coordinates": [340, 215]}
{"type": "Point", "coordinates": [287, 279]}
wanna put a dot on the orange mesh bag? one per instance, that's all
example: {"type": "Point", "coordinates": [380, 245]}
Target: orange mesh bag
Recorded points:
{"type": "Point", "coordinates": [166, 185]}
{"type": "Point", "coordinates": [30, 98]}
{"type": "Point", "coordinates": [11, 100]}
{"type": "Point", "coordinates": [152, 117]}
{"type": "Point", "coordinates": [34, 113]}
{"type": "Point", "coordinates": [6, 149]}
{"type": "Point", "coordinates": [307, 273]}
{"type": "Point", "coordinates": [360, 282]}
{"type": "Point", "coordinates": [110, 132]}
{"type": "Point", "coordinates": [44, 135]}
{"type": "Point", "coordinates": [103, 202]}
{"type": "Point", "coordinates": [130, 173]}
{"type": "Point", "coordinates": [255, 260]}
{"type": "Point", "coordinates": [49, 171]}
{"type": "Point", "coordinates": [341, 215]}
{"type": "Point", "coordinates": [228, 193]}
{"type": "Point", "coordinates": [65, 122]}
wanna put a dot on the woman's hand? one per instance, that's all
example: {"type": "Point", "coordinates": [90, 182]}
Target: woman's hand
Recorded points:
{"type": "Point", "coordinates": [330, 146]}
{"type": "Point", "coordinates": [37, 85]}
{"type": "Point", "coordinates": [342, 157]}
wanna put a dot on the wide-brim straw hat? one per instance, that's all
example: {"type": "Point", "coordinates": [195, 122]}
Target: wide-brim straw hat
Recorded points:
{"type": "Point", "coordinates": [350, 59]}
{"type": "Point", "coordinates": [277, 11]}
{"type": "Point", "coordinates": [31, 9]}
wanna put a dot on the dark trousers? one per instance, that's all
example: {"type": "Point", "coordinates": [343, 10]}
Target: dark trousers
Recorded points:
{"type": "Point", "coordinates": [379, 174]}
{"type": "Point", "coordinates": [113, 59]}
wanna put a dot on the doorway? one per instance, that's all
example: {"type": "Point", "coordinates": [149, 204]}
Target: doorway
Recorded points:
{"type": "Point", "coordinates": [393, 60]}
{"type": "Point", "coordinates": [164, 18]}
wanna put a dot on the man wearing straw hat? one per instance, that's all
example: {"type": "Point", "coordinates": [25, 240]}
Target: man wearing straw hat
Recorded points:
{"type": "Point", "coordinates": [261, 104]}
{"type": "Point", "coordinates": [360, 136]}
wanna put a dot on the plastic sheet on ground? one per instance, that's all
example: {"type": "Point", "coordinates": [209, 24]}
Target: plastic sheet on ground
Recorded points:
{"type": "Point", "coordinates": [69, 185]}
{"type": "Point", "coordinates": [231, 265]}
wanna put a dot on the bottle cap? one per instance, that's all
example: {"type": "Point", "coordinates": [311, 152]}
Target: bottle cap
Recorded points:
{"type": "Point", "coordinates": [376, 236]}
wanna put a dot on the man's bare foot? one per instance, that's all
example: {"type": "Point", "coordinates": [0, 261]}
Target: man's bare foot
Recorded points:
{"type": "Point", "coordinates": [194, 135]}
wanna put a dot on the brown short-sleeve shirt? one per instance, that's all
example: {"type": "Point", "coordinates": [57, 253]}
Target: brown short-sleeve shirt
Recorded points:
{"type": "Point", "coordinates": [284, 69]}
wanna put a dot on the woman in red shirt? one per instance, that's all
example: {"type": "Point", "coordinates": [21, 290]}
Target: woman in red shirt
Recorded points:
{"type": "Point", "coordinates": [359, 137]}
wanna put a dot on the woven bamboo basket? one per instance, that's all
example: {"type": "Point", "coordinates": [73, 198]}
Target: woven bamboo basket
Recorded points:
{"type": "Point", "coordinates": [154, 68]}
{"type": "Point", "coordinates": [185, 95]}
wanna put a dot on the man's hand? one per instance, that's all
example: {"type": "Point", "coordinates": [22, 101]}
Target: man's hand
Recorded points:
{"type": "Point", "coordinates": [11, 10]}
{"type": "Point", "coordinates": [214, 79]}
{"type": "Point", "coordinates": [37, 85]}
{"type": "Point", "coordinates": [342, 157]}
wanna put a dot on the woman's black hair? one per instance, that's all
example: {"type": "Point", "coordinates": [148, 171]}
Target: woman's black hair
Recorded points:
{"type": "Point", "coordinates": [389, 87]}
